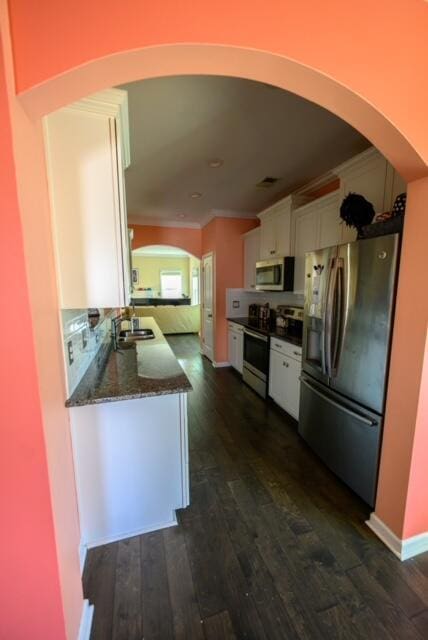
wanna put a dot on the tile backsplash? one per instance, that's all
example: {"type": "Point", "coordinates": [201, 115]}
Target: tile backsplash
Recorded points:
{"type": "Point", "coordinates": [238, 300]}
{"type": "Point", "coordinates": [81, 343]}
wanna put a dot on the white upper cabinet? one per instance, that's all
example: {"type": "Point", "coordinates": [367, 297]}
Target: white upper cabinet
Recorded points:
{"type": "Point", "coordinates": [315, 225]}
{"type": "Point", "coordinates": [275, 228]}
{"type": "Point", "coordinates": [87, 149]}
{"type": "Point", "coordinates": [251, 256]}
{"type": "Point", "coordinates": [330, 224]}
{"type": "Point", "coordinates": [370, 175]}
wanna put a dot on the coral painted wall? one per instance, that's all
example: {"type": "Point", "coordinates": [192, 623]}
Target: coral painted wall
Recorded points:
{"type": "Point", "coordinates": [30, 593]}
{"type": "Point", "coordinates": [187, 239]}
{"type": "Point", "coordinates": [311, 48]}
{"type": "Point", "coordinates": [403, 481]}
{"type": "Point", "coordinates": [223, 236]}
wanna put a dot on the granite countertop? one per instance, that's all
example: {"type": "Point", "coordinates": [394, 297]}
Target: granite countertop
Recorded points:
{"type": "Point", "coordinates": [136, 370]}
{"type": "Point", "coordinates": [264, 329]}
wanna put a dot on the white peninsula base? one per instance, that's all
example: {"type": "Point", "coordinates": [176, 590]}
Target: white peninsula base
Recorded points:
{"type": "Point", "coordinates": [131, 466]}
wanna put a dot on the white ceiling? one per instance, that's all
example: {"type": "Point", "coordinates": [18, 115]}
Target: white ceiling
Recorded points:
{"type": "Point", "coordinates": [156, 250]}
{"type": "Point", "coordinates": [179, 124]}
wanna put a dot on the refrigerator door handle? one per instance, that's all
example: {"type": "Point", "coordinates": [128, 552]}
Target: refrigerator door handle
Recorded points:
{"type": "Point", "coordinates": [354, 414]}
{"type": "Point", "coordinates": [329, 309]}
{"type": "Point", "coordinates": [338, 316]}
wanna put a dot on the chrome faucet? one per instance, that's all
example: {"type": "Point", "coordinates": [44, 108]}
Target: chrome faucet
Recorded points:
{"type": "Point", "coordinates": [115, 323]}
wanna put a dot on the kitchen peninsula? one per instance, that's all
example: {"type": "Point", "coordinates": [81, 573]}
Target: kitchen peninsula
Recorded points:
{"type": "Point", "coordinates": [129, 433]}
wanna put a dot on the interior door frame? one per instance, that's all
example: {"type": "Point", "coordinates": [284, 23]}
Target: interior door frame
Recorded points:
{"type": "Point", "coordinates": [203, 350]}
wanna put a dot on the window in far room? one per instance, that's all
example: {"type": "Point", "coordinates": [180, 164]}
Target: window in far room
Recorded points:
{"type": "Point", "coordinates": [195, 286]}
{"type": "Point", "coordinates": [171, 284]}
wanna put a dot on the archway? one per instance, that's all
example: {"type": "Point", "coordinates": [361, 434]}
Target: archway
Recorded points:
{"type": "Point", "coordinates": [166, 286]}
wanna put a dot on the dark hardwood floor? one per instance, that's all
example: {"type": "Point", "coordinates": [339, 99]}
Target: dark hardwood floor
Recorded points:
{"type": "Point", "coordinates": [272, 547]}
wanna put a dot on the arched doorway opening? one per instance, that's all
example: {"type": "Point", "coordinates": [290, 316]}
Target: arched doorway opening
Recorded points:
{"type": "Point", "coordinates": [166, 286]}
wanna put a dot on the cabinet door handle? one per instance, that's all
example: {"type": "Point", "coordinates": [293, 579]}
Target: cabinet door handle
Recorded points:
{"type": "Point", "coordinates": [296, 353]}
{"type": "Point", "coordinates": [285, 364]}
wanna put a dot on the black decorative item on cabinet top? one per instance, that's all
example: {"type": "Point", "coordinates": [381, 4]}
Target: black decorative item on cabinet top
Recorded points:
{"type": "Point", "coordinates": [356, 212]}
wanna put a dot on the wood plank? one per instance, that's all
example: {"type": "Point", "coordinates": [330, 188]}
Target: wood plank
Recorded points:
{"type": "Point", "coordinates": [219, 627]}
{"type": "Point", "coordinates": [127, 620]}
{"type": "Point", "coordinates": [186, 617]}
{"type": "Point", "coordinates": [156, 604]}
{"type": "Point", "coordinates": [386, 611]}
{"type": "Point", "coordinates": [99, 586]}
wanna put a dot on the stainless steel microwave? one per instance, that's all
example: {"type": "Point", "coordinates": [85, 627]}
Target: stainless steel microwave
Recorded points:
{"type": "Point", "coordinates": [275, 275]}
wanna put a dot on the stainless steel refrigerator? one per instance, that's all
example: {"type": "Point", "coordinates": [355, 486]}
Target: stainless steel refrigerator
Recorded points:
{"type": "Point", "coordinates": [349, 300]}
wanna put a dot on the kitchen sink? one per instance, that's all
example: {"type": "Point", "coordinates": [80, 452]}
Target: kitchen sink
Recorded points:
{"type": "Point", "coordinates": [137, 334]}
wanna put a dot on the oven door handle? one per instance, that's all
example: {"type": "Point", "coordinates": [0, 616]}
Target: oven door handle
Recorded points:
{"type": "Point", "coordinates": [253, 334]}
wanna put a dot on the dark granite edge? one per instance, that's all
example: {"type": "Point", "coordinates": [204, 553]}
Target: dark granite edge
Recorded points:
{"type": "Point", "coordinates": [183, 388]}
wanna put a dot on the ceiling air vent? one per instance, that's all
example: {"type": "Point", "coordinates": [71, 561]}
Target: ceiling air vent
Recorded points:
{"type": "Point", "coordinates": [267, 182]}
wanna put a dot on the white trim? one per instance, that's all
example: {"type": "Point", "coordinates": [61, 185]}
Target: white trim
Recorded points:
{"type": "Point", "coordinates": [184, 438]}
{"type": "Point", "coordinates": [221, 364]}
{"type": "Point", "coordinates": [403, 549]}
{"type": "Point", "coordinates": [83, 550]}
{"type": "Point", "coordinates": [130, 534]}
{"type": "Point", "coordinates": [354, 163]}
{"type": "Point", "coordinates": [153, 221]}
{"type": "Point", "coordinates": [86, 621]}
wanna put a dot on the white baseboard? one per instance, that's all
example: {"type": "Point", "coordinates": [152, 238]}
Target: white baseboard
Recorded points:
{"type": "Point", "coordinates": [83, 550]}
{"type": "Point", "coordinates": [403, 549]}
{"type": "Point", "coordinates": [86, 621]}
{"type": "Point", "coordinates": [90, 544]}
{"type": "Point", "coordinates": [220, 364]}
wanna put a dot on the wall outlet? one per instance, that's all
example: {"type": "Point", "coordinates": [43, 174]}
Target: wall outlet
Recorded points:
{"type": "Point", "coordinates": [70, 352]}
{"type": "Point", "coordinates": [236, 304]}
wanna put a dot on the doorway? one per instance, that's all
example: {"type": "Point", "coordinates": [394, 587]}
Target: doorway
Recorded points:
{"type": "Point", "coordinates": [207, 337]}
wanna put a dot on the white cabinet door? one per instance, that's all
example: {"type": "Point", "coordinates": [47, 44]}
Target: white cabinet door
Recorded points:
{"type": "Point", "coordinates": [283, 233]}
{"type": "Point", "coordinates": [236, 346]}
{"type": "Point", "coordinates": [330, 228]}
{"type": "Point", "coordinates": [368, 179]}
{"type": "Point", "coordinates": [292, 369]}
{"type": "Point", "coordinates": [276, 377]}
{"type": "Point", "coordinates": [306, 226]}
{"type": "Point", "coordinates": [239, 353]}
{"type": "Point", "coordinates": [284, 383]}
{"type": "Point", "coordinates": [84, 161]}
{"type": "Point", "coordinates": [232, 347]}
{"type": "Point", "coordinates": [268, 238]}
{"type": "Point", "coordinates": [251, 256]}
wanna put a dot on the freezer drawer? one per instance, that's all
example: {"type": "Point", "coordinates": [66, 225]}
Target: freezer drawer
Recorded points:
{"type": "Point", "coordinates": [344, 435]}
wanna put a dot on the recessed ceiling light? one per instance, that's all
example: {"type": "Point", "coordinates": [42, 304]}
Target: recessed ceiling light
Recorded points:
{"type": "Point", "coordinates": [215, 163]}
{"type": "Point", "coordinates": [196, 195]}
{"type": "Point", "coordinates": [181, 215]}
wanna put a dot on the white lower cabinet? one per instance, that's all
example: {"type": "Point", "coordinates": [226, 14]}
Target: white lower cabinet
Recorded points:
{"type": "Point", "coordinates": [131, 466]}
{"type": "Point", "coordinates": [236, 345]}
{"type": "Point", "coordinates": [284, 379]}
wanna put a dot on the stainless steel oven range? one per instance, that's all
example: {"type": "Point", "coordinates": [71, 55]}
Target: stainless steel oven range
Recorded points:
{"type": "Point", "coordinates": [256, 361]}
